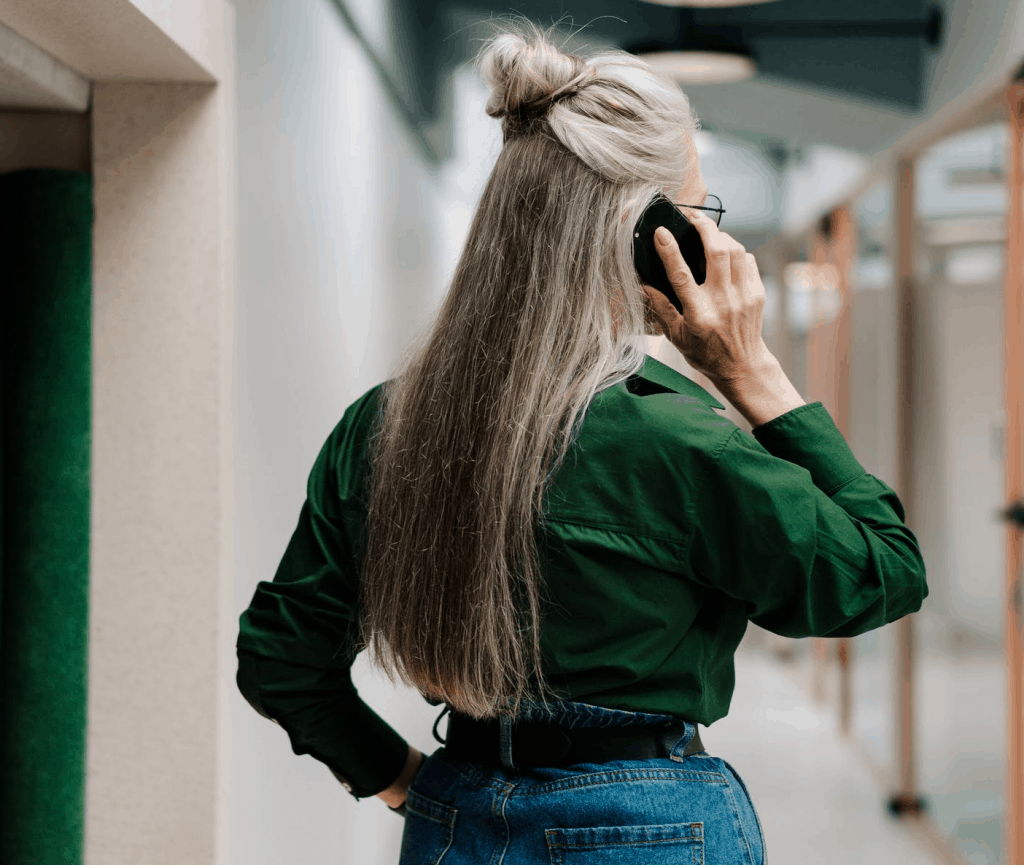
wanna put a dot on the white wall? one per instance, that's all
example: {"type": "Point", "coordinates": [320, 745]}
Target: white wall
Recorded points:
{"type": "Point", "coordinates": [341, 250]}
{"type": "Point", "coordinates": [984, 43]}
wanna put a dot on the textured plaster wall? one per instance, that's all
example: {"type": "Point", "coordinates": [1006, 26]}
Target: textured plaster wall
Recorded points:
{"type": "Point", "coordinates": [161, 519]}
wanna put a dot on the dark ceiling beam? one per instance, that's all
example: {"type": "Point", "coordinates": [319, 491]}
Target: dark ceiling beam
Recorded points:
{"type": "Point", "coordinates": [694, 30]}
{"type": "Point", "coordinates": [895, 34]}
{"type": "Point", "coordinates": [930, 29]}
{"type": "Point", "coordinates": [413, 104]}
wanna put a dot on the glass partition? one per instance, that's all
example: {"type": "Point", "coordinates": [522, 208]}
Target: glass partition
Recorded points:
{"type": "Point", "coordinates": [872, 418]}
{"type": "Point", "coordinates": [960, 212]}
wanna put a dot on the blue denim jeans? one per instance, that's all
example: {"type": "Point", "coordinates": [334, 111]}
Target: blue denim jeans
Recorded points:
{"type": "Point", "coordinates": [694, 810]}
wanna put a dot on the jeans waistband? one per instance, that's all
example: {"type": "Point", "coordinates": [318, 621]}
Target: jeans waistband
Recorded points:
{"type": "Point", "coordinates": [573, 714]}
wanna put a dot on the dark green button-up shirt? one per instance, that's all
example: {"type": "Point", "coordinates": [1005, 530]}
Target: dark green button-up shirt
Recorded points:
{"type": "Point", "coordinates": [668, 528]}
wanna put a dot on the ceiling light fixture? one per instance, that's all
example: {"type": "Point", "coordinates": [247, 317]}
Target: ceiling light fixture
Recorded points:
{"type": "Point", "coordinates": [689, 53]}
{"type": "Point", "coordinates": [708, 4]}
{"type": "Point", "coordinates": [701, 67]}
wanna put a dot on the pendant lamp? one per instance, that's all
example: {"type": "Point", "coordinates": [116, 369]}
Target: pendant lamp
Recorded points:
{"type": "Point", "coordinates": [708, 4]}
{"type": "Point", "coordinates": [690, 54]}
{"type": "Point", "coordinates": [701, 67]}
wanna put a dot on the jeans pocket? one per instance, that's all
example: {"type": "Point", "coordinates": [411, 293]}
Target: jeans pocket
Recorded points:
{"type": "Point", "coordinates": [429, 826]}
{"type": "Point", "coordinates": [662, 844]}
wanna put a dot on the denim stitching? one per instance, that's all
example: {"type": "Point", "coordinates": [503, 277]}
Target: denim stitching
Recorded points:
{"type": "Point", "coordinates": [431, 808]}
{"type": "Point", "coordinates": [739, 822]}
{"type": "Point", "coordinates": [753, 808]}
{"type": "Point", "coordinates": [615, 776]}
{"type": "Point", "coordinates": [557, 841]}
{"type": "Point", "coordinates": [644, 842]}
{"type": "Point", "coordinates": [467, 770]}
{"type": "Point", "coordinates": [508, 834]}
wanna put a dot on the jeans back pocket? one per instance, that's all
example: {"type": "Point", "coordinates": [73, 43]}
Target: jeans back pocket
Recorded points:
{"type": "Point", "coordinates": [429, 826]}
{"type": "Point", "coordinates": [661, 844]}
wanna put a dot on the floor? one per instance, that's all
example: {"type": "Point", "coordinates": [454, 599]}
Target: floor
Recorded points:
{"type": "Point", "coordinates": [961, 741]}
{"type": "Point", "coordinates": [817, 797]}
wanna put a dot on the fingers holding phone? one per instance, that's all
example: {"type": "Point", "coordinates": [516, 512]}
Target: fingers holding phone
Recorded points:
{"type": "Point", "coordinates": [719, 331]}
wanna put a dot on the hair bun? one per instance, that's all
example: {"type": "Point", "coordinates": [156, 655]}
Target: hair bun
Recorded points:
{"type": "Point", "coordinates": [528, 74]}
{"type": "Point", "coordinates": [567, 89]}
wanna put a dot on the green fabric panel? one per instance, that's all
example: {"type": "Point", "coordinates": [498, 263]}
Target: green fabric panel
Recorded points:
{"type": "Point", "coordinates": [46, 244]}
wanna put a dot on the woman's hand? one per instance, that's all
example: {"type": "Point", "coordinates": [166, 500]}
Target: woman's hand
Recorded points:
{"type": "Point", "coordinates": [394, 795]}
{"type": "Point", "coordinates": [719, 332]}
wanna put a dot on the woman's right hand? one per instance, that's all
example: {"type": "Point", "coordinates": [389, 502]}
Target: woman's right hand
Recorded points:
{"type": "Point", "coordinates": [719, 332]}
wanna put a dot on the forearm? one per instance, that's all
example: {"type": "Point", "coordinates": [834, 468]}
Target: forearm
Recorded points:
{"type": "Point", "coordinates": [394, 795]}
{"type": "Point", "coordinates": [763, 394]}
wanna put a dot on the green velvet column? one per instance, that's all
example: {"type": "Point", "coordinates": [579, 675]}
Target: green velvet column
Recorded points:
{"type": "Point", "coordinates": [46, 220]}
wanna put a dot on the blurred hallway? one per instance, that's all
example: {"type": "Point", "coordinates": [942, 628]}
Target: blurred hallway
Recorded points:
{"type": "Point", "coordinates": [272, 197]}
{"type": "Point", "coordinates": [817, 799]}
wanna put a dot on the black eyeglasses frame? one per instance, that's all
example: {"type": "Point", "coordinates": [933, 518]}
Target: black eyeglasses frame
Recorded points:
{"type": "Point", "coordinates": [718, 210]}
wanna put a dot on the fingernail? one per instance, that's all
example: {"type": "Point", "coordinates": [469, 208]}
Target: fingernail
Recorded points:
{"type": "Point", "coordinates": [662, 235]}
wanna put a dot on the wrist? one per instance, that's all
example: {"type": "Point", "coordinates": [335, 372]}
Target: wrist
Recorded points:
{"type": "Point", "coordinates": [762, 393]}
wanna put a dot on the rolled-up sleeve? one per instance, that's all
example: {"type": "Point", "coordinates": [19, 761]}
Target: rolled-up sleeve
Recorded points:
{"type": "Point", "coordinates": [789, 522]}
{"type": "Point", "coordinates": [297, 639]}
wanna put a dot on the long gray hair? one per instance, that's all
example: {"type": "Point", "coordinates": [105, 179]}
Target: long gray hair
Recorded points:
{"type": "Point", "coordinates": [545, 310]}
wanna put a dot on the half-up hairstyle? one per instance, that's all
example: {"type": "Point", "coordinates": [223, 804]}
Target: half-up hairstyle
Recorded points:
{"type": "Point", "coordinates": [545, 309]}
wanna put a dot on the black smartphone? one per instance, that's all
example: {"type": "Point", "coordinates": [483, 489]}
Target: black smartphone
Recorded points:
{"type": "Point", "coordinates": [660, 212]}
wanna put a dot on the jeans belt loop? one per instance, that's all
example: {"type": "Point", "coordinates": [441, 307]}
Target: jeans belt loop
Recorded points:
{"type": "Point", "coordinates": [505, 742]}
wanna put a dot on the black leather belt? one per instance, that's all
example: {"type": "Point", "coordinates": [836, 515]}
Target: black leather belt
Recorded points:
{"type": "Point", "coordinates": [536, 744]}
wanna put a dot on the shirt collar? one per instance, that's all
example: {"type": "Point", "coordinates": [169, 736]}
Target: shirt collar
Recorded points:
{"type": "Point", "coordinates": [654, 370]}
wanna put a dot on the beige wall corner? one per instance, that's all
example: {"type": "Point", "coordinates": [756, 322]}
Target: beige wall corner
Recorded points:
{"type": "Point", "coordinates": [158, 751]}
{"type": "Point", "coordinates": [128, 40]}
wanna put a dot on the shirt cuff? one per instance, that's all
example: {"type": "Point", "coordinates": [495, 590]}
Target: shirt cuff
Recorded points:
{"type": "Point", "coordinates": [325, 717]}
{"type": "Point", "coordinates": [373, 758]}
{"type": "Point", "coordinates": [808, 437]}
